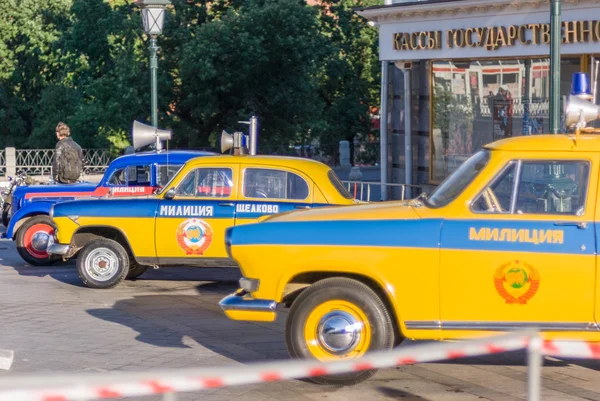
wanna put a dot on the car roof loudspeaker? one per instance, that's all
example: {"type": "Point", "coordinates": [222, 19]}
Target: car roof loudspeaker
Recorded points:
{"type": "Point", "coordinates": [236, 141]}
{"type": "Point", "coordinates": [143, 135]}
{"type": "Point", "coordinates": [226, 141]}
{"type": "Point", "coordinates": [580, 112]}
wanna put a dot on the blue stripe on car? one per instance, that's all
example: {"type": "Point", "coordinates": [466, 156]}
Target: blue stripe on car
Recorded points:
{"type": "Point", "coordinates": [518, 236]}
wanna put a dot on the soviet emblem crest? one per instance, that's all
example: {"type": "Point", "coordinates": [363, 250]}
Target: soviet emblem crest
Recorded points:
{"type": "Point", "coordinates": [516, 282]}
{"type": "Point", "coordinates": [194, 236]}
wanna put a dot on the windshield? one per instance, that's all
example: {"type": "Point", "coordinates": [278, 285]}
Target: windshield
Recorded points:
{"type": "Point", "coordinates": [453, 186]}
{"type": "Point", "coordinates": [335, 181]}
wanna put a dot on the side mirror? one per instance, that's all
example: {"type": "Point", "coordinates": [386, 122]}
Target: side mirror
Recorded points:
{"type": "Point", "coordinates": [170, 194]}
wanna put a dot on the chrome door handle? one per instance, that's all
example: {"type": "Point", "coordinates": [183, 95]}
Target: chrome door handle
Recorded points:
{"type": "Point", "coordinates": [581, 226]}
{"type": "Point", "coordinates": [302, 207]}
{"type": "Point", "coordinates": [225, 203]}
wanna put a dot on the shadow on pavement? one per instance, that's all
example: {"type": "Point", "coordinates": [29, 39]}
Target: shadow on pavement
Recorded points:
{"type": "Point", "coordinates": [61, 271]}
{"type": "Point", "coordinates": [66, 271]}
{"type": "Point", "coordinates": [395, 393]}
{"type": "Point", "coordinates": [195, 321]}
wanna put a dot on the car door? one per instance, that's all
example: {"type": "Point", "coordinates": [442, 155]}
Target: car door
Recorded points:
{"type": "Point", "coordinates": [271, 190]}
{"type": "Point", "coordinates": [523, 252]}
{"type": "Point", "coordinates": [190, 227]}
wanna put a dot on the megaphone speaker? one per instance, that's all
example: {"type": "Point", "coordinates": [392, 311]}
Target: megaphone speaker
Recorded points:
{"type": "Point", "coordinates": [143, 135]}
{"type": "Point", "coordinates": [578, 110]}
{"type": "Point", "coordinates": [226, 141]}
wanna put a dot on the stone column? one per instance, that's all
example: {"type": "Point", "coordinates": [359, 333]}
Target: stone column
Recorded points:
{"type": "Point", "coordinates": [10, 156]}
{"type": "Point", "coordinates": [345, 155]}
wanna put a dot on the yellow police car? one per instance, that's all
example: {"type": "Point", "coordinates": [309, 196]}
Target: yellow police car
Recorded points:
{"type": "Point", "coordinates": [508, 241]}
{"type": "Point", "coordinates": [184, 224]}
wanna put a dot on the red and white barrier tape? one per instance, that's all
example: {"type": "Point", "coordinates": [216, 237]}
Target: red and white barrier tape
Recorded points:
{"type": "Point", "coordinates": [571, 349]}
{"type": "Point", "coordinates": [122, 384]}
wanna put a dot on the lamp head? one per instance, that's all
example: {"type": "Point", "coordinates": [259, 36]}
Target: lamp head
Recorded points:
{"type": "Point", "coordinates": [153, 15]}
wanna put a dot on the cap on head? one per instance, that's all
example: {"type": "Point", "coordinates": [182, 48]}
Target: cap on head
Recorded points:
{"type": "Point", "coordinates": [63, 130]}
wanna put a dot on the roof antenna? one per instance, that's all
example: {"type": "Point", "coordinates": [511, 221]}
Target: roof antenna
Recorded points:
{"type": "Point", "coordinates": [253, 145]}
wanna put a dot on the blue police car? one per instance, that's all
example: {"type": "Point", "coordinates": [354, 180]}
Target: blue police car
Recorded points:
{"type": "Point", "coordinates": [134, 174]}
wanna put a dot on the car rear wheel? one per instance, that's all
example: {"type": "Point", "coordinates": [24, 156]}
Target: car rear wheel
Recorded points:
{"type": "Point", "coordinates": [338, 318]}
{"type": "Point", "coordinates": [32, 241]}
{"type": "Point", "coordinates": [102, 263]}
{"type": "Point", "coordinates": [135, 270]}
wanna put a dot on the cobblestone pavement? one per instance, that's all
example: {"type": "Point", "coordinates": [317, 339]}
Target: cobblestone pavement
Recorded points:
{"type": "Point", "coordinates": [170, 319]}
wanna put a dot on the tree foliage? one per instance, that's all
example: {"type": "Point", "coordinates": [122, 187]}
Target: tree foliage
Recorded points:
{"type": "Point", "coordinates": [310, 73]}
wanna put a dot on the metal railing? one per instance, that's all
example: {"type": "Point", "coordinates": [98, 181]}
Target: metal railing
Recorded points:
{"type": "Point", "coordinates": [35, 161]}
{"type": "Point", "coordinates": [371, 191]}
{"type": "Point", "coordinates": [96, 160]}
{"type": "Point", "coordinates": [39, 161]}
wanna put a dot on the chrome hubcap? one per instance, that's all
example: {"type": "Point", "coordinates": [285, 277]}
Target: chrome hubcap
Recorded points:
{"type": "Point", "coordinates": [39, 241]}
{"type": "Point", "coordinates": [339, 332]}
{"type": "Point", "coordinates": [101, 264]}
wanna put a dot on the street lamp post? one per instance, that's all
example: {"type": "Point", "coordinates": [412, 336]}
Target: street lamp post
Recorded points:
{"type": "Point", "coordinates": [555, 39]}
{"type": "Point", "coordinates": [153, 17]}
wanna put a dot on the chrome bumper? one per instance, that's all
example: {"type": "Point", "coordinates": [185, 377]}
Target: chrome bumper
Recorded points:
{"type": "Point", "coordinates": [58, 249]}
{"type": "Point", "coordinates": [237, 302]}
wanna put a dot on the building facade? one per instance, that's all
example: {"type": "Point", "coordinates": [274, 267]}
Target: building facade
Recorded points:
{"type": "Point", "coordinates": [464, 73]}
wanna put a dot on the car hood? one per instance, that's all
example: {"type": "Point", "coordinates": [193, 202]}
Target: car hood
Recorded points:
{"type": "Point", "coordinates": [51, 189]}
{"type": "Point", "coordinates": [131, 207]}
{"type": "Point", "coordinates": [369, 211]}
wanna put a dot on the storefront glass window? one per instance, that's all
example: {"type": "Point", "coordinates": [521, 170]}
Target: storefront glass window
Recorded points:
{"type": "Point", "coordinates": [478, 102]}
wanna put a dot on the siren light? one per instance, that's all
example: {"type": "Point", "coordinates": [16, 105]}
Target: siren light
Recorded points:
{"type": "Point", "coordinates": [580, 86]}
{"type": "Point", "coordinates": [579, 110]}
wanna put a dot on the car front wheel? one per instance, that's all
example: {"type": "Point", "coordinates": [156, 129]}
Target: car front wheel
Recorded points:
{"type": "Point", "coordinates": [102, 263]}
{"type": "Point", "coordinates": [338, 318]}
{"type": "Point", "coordinates": [32, 241]}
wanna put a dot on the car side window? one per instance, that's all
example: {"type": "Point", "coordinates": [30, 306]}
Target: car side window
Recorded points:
{"type": "Point", "coordinates": [537, 187]}
{"type": "Point", "coordinates": [118, 177]}
{"type": "Point", "coordinates": [553, 187]}
{"type": "Point", "coordinates": [131, 176]}
{"type": "Point", "coordinates": [166, 172]}
{"type": "Point", "coordinates": [138, 175]}
{"type": "Point", "coordinates": [274, 184]}
{"type": "Point", "coordinates": [207, 182]}
{"type": "Point", "coordinates": [497, 196]}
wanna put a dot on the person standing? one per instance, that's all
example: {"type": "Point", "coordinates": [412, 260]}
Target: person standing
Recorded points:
{"type": "Point", "coordinates": [67, 163]}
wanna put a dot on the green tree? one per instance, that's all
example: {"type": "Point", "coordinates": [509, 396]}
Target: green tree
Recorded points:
{"type": "Point", "coordinates": [103, 86]}
{"type": "Point", "coordinates": [351, 83]}
{"type": "Point", "coordinates": [306, 72]}
{"type": "Point", "coordinates": [264, 58]}
{"type": "Point", "coordinates": [29, 62]}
